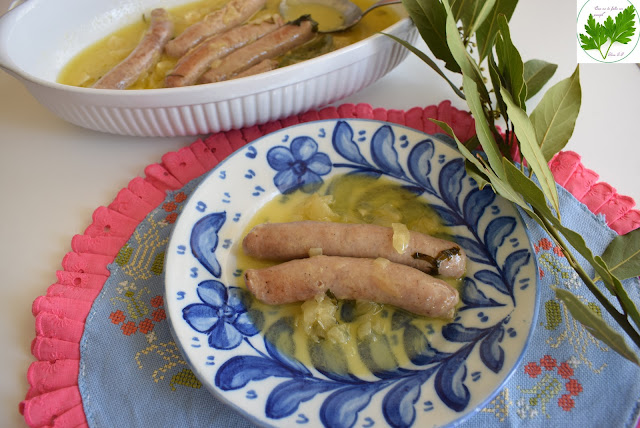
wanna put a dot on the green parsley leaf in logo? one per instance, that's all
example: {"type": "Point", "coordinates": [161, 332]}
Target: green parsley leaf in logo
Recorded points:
{"type": "Point", "coordinates": [621, 30]}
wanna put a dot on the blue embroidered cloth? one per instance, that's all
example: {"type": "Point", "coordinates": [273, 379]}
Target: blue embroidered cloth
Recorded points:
{"type": "Point", "coordinates": [566, 376]}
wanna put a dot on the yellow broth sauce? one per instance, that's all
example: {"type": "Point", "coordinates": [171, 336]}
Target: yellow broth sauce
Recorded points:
{"type": "Point", "coordinates": [330, 334]}
{"type": "Point", "coordinates": [326, 16]}
{"type": "Point", "coordinates": [96, 60]}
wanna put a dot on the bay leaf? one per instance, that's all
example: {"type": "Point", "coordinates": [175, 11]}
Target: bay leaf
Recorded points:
{"type": "Point", "coordinates": [476, 174]}
{"type": "Point", "coordinates": [461, 147]}
{"type": "Point", "coordinates": [554, 118]}
{"type": "Point", "coordinates": [531, 151]}
{"type": "Point", "coordinates": [483, 130]}
{"type": "Point", "coordinates": [510, 64]}
{"type": "Point", "coordinates": [472, 143]}
{"type": "Point", "coordinates": [623, 255]}
{"type": "Point", "coordinates": [431, 63]}
{"type": "Point", "coordinates": [597, 326]}
{"type": "Point", "coordinates": [496, 82]}
{"type": "Point", "coordinates": [535, 197]}
{"type": "Point", "coordinates": [485, 36]}
{"type": "Point", "coordinates": [467, 65]}
{"type": "Point", "coordinates": [481, 16]}
{"type": "Point", "coordinates": [429, 17]}
{"type": "Point", "coordinates": [628, 306]}
{"type": "Point", "coordinates": [485, 175]}
{"type": "Point", "coordinates": [464, 10]}
{"type": "Point", "coordinates": [536, 74]}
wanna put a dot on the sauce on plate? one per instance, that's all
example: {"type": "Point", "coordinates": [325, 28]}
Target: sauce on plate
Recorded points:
{"type": "Point", "coordinates": [344, 336]}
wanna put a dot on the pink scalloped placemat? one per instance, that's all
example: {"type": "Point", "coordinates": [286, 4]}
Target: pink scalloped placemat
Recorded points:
{"type": "Point", "coordinates": [54, 399]}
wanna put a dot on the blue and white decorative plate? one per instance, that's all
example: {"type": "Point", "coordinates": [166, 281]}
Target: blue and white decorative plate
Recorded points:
{"type": "Point", "coordinates": [452, 370]}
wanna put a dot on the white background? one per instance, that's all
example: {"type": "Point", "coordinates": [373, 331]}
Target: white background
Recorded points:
{"type": "Point", "coordinates": [53, 174]}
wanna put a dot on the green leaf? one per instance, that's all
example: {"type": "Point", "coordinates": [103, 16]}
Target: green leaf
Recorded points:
{"type": "Point", "coordinates": [475, 92]}
{"type": "Point", "coordinates": [484, 12]}
{"type": "Point", "coordinates": [588, 43]}
{"type": "Point", "coordinates": [461, 8]}
{"type": "Point", "coordinates": [496, 83]}
{"type": "Point", "coordinates": [623, 255]}
{"type": "Point", "coordinates": [464, 11]}
{"type": "Point", "coordinates": [467, 65]}
{"type": "Point", "coordinates": [430, 17]}
{"type": "Point", "coordinates": [485, 175]}
{"type": "Point", "coordinates": [596, 325]}
{"type": "Point", "coordinates": [595, 37]}
{"type": "Point", "coordinates": [609, 27]}
{"type": "Point", "coordinates": [472, 143]}
{"type": "Point", "coordinates": [554, 118]}
{"type": "Point", "coordinates": [535, 197]}
{"type": "Point", "coordinates": [595, 30]}
{"type": "Point", "coordinates": [476, 174]}
{"type": "Point", "coordinates": [487, 31]}
{"type": "Point", "coordinates": [510, 64]}
{"type": "Point", "coordinates": [531, 151]}
{"type": "Point", "coordinates": [483, 130]}
{"type": "Point", "coordinates": [624, 27]}
{"type": "Point", "coordinates": [628, 306]}
{"type": "Point", "coordinates": [428, 61]}
{"type": "Point", "coordinates": [463, 150]}
{"type": "Point", "coordinates": [536, 74]}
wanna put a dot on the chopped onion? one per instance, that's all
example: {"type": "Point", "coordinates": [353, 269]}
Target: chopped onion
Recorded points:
{"type": "Point", "coordinates": [319, 316]}
{"type": "Point", "coordinates": [364, 329]}
{"type": "Point", "coordinates": [318, 208]}
{"type": "Point", "coordinates": [401, 237]}
{"type": "Point", "coordinates": [315, 252]}
{"type": "Point", "coordinates": [338, 334]}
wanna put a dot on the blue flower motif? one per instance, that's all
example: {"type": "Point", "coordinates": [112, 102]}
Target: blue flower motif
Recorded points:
{"type": "Point", "coordinates": [299, 167]}
{"type": "Point", "coordinates": [222, 316]}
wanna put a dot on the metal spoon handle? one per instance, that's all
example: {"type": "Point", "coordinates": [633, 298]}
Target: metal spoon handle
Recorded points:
{"type": "Point", "coordinates": [380, 3]}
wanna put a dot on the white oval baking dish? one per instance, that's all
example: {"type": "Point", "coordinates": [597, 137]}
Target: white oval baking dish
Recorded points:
{"type": "Point", "coordinates": [37, 40]}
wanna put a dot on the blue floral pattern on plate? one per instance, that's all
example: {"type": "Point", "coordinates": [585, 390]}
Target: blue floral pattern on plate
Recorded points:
{"type": "Point", "coordinates": [452, 371]}
{"type": "Point", "coordinates": [222, 315]}
{"type": "Point", "coordinates": [299, 167]}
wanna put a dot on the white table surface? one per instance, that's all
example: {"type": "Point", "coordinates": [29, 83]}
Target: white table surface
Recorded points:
{"type": "Point", "coordinates": [54, 174]}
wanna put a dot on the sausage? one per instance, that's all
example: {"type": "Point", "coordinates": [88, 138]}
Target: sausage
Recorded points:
{"type": "Point", "coordinates": [276, 43]}
{"type": "Point", "coordinates": [193, 64]}
{"type": "Point", "coordinates": [143, 56]}
{"type": "Point", "coordinates": [230, 15]}
{"type": "Point", "coordinates": [287, 241]}
{"type": "Point", "coordinates": [377, 280]}
{"type": "Point", "coordinates": [261, 67]}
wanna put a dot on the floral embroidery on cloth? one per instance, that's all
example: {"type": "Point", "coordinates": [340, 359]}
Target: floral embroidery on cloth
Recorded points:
{"type": "Point", "coordinates": [554, 383]}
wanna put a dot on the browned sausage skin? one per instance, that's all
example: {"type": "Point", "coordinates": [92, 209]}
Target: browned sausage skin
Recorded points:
{"type": "Point", "coordinates": [195, 62]}
{"type": "Point", "coordinates": [143, 56]}
{"type": "Point", "coordinates": [276, 43]}
{"type": "Point", "coordinates": [230, 15]}
{"type": "Point", "coordinates": [287, 241]}
{"type": "Point", "coordinates": [377, 280]}
{"type": "Point", "coordinates": [261, 67]}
